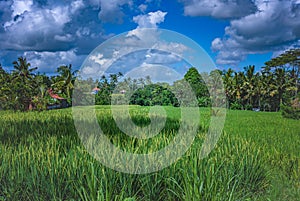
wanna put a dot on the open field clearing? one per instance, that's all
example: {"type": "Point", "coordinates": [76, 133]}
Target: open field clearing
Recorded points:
{"type": "Point", "coordinates": [256, 158]}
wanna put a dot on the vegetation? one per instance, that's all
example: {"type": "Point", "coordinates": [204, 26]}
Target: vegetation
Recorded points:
{"type": "Point", "coordinates": [292, 110]}
{"type": "Point", "coordinates": [276, 86]}
{"type": "Point", "coordinates": [42, 158]}
{"type": "Point", "coordinates": [256, 158]}
{"type": "Point", "coordinates": [22, 89]}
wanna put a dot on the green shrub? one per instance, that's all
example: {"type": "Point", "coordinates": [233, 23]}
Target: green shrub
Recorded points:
{"type": "Point", "coordinates": [292, 110]}
{"type": "Point", "coordinates": [236, 106]}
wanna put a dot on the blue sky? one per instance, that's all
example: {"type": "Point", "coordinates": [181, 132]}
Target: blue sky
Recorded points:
{"type": "Point", "coordinates": [235, 33]}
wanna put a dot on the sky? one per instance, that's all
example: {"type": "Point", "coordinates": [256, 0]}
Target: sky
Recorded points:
{"type": "Point", "coordinates": [234, 33]}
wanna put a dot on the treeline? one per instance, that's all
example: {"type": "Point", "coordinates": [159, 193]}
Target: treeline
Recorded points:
{"type": "Point", "coordinates": [274, 87]}
{"type": "Point", "coordinates": [23, 89]}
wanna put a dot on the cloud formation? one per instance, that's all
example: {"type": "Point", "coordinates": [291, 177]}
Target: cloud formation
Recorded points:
{"type": "Point", "coordinates": [42, 29]}
{"type": "Point", "coordinates": [140, 48]}
{"type": "Point", "coordinates": [275, 26]}
{"type": "Point", "coordinates": [110, 11]}
{"type": "Point", "coordinates": [222, 9]}
{"type": "Point", "coordinates": [31, 26]}
{"type": "Point", "coordinates": [49, 61]}
{"type": "Point", "coordinates": [39, 29]}
{"type": "Point", "coordinates": [150, 20]}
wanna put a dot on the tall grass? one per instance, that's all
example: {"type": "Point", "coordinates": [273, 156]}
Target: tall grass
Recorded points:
{"type": "Point", "coordinates": [42, 158]}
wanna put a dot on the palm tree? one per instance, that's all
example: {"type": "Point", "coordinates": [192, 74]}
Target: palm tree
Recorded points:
{"type": "Point", "coordinates": [22, 70]}
{"type": "Point", "coordinates": [279, 85]}
{"type": "Point", "coordinates": [249, 84]}
{"type": "Point", "coordinates": [65, 82]}
{"type": "Point", "coordinates": [23, 81]}
{"type": "Point", "coordinates": [5, 90]}
{"type": "Point", "coordinates": [229, 85]}
{"type": "Point", "coordinates": [238, 86]}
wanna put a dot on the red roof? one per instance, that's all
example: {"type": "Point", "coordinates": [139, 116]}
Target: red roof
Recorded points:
{"type": "Point", "coordinates": [96, 89]}
{"type": "Point", "coordinates": [55, 95]}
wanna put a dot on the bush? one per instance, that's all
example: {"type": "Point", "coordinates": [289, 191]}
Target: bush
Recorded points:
{"type": "Point", "coordinates": [236, 106]}
{"type": "Point", "coordinates": [291, 111]}
{"type": "Point", "coordinates": [204, 101]}
{"type": "Point", "coordinates": [248, 107]}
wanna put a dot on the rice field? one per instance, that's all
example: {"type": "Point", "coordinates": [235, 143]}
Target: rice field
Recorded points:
{"type": "Point", "coordinates": [256, 158]}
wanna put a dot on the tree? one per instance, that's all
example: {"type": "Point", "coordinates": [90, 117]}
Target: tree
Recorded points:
{"type": "Point", "coordinates": [285, 84]}
{"type": "Point", "coordinates": [197, 83]}
{"type": "Point", "coordinates": [6, 100]}
{"type": "Point", "coordinates": [153, 94]}
{"type": "Point", "coordinates": [249, 85]}
{"type": "Point", "coordinates": [228, 84]}
{"type": "Point", "coordinates": [107, 87]}
{"type": "Point", "coordinates": [65, 81]}
{"type": "Point", "coordinates": [23, 83]}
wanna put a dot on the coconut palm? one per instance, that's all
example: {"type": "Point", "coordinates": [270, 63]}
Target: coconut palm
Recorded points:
{"type": "Point", "coordinates": [249, 84]}
{"type": "Point", "coordinates": [22, 77]}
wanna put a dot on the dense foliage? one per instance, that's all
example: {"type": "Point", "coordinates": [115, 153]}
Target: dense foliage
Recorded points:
{"type": "Point", "coordinates": [23, 89]}
{"type": "Point", "coordinates": [276, 84]}
{"type": "Point", "coordinates": [274, 87]}
{"type": "Point", "coordinates": [292, 110]}
{"type": "Point", "coordinates": [153, 94]}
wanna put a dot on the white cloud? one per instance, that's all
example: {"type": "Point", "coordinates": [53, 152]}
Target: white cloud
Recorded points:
{"type": "Point", "coordinates": [219, 8]}
{"type": "Point", "coordinates": [64, 38]}
{"type": "Point", "coordinates": [37, 29]}
{"type": "Point", "coordinates": [150, 20]}
{"type": "Point", "coordinates": [143, 7]}
{"type": "Point", "coordinates": [158, 73]}
{"type": "Point", "coordinates": [99, 59]}
{"type": "Point", "coordinates": [42, 27]}
{"type": "Point", "coordinates": [274, 27]}
{"type": "Point", "coordinates": [49, 61]}
{"type": "Point", "coordinates": [173, 47]}
{"type": "Point", "coordinates": [83, 31]}
{"type": "Point", "coordinates": [110, 11]}
{"type": "Point", "coordinates": [21, 6]}
{"type": "Point", "coordinates": [140, 47]}
{"type": "Point", "coordinates": [49, 25]}
{"type": "Point", "coordinates": [147, 36]}
{"type": "Point", "coordinates": [162, 58]}
{"type": "Point", "coordinates": [142, 35]}
{"type": "Point", "coordinates": [76, 5]}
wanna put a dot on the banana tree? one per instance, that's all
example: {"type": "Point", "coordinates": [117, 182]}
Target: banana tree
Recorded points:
{"type": "Point", "coordinates": [65, 82]}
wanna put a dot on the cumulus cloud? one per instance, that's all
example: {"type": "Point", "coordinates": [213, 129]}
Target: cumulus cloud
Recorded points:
{"type": "Point", "coordinates": [158, 73]}
{"type": "Point", "coordinates": [142, 35]}
{"type": "Point", "coordinates": [49, 61]}
{"type": "Point", "coordinates": [98, 59]}
{"type": "Point", "coordinates": [44, 27]}
{"type": "Point", "coordinates": [143, 46]}
{"type": "Point", "coordinates": [161, 58]}
{"type": "Point", "coordinates": [150, 20]}
{"type": "Point", "coordinates": [274, 27]}
{"type": "Point", "coordinates": [110, 11]}
{"type": "Point", "coordinates": [19, 7]}
{"type": "Point", "coordinates": [36, 27]}
{"type": "Point", "coordinates": [147, 35]}
{"type": "Point", "coordinates": [223, 9]}
{"type": "Point", "coordinates": [143, 7]}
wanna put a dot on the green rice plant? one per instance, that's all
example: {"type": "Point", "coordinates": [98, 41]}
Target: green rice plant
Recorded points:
{"type": "Point", "coordinates": [43, 158]}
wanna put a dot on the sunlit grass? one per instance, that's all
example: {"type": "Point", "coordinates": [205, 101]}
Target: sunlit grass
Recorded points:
{"type": "Point", "coordinates": [256, 158]}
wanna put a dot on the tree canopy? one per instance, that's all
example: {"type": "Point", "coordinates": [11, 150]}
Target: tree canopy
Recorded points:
{"type": "Point", "coordinates": [275, 86]}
